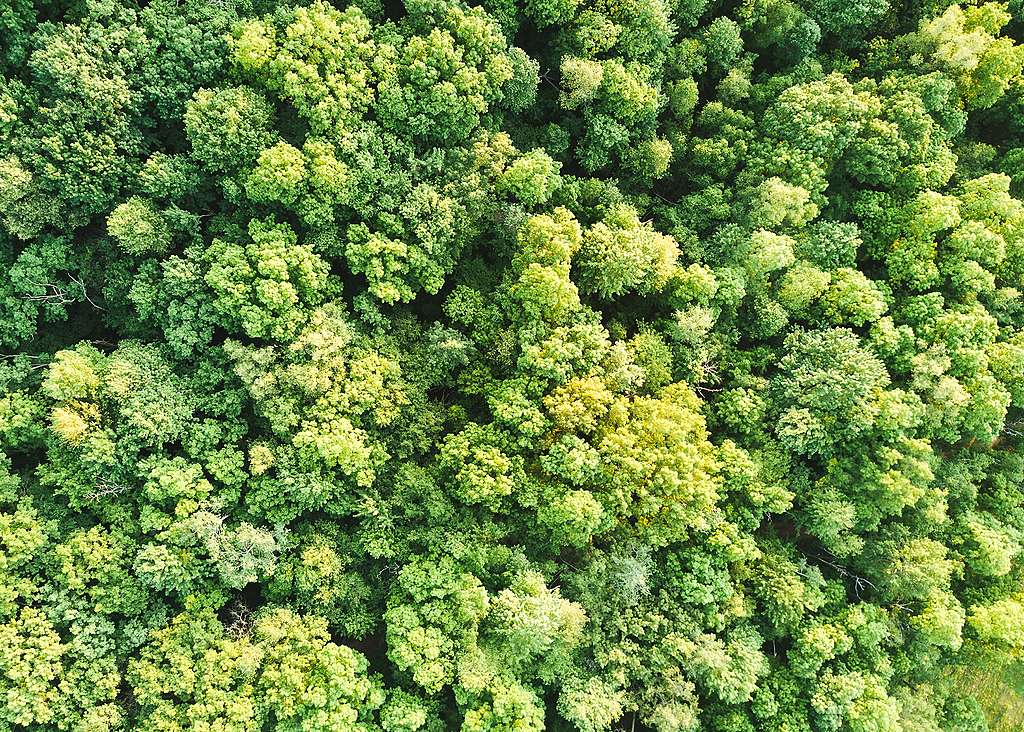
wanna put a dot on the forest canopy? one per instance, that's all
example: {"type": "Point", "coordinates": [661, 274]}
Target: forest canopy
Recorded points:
{"type": "Point", "coordinates": [495, 366]}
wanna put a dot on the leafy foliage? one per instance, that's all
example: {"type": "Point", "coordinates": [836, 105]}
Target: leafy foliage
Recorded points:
{"type": "Point", "coordinates": [510, 366]}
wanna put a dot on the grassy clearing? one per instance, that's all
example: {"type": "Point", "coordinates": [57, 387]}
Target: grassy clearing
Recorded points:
{"type": "Point", "coordinates": [1000, 693]}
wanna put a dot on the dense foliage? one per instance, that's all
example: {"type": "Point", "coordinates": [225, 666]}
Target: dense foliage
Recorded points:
{"type": "Point", "coordinates": [635, 364]}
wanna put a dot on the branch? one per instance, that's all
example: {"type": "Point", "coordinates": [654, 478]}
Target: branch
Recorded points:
{"type": "Point", "coordinates": [544, 77]}
{"type": "Point", "coordinates": [85, 293]}
{"type": "Point", "coordinates": [54, 294]}
{"type": "Point", "coordinates": [858, 582]}
{"type": "Point", "coordinates": [105, 489]}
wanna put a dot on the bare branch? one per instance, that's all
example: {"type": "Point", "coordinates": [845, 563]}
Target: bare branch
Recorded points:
{"type": "Point", "coordinates": [239, 620]}
{"type": "Point", "coordinates": [85, 293]}
{"type": "Point", "coordinates": [105, 489]}
{"type": "Point", "coordinates": [546, 78]}
{"type": "Point", "coordinates": [859, 583]}
{"type": "Point", "coordinates": [701, 389]}
{"type": "Point", "coordinates": [53, 295]}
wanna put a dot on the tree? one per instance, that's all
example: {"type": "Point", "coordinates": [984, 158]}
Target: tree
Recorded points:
{"type": "Point", "coordinates": [619, 254]}
{"type": "Point", "coordinates": [827, 391]}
